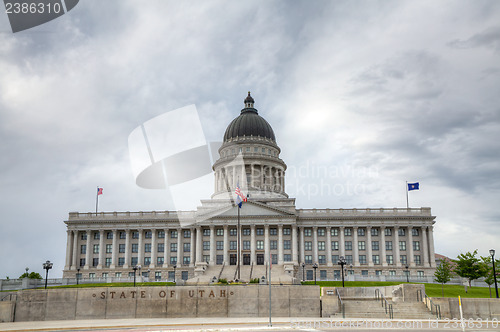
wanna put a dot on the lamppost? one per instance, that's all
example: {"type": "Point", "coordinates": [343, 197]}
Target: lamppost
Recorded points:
{"type": "Point", "coordinates": [47, 266]}
{"type": "Point", "coordinates": [27, 269]}
{"type": "Point", "coordinates": [135, 268]}
{"type": "Point", "coordinates": [303, 271]}
{"type": "Point", "coordinates": [315, 266]}
{"type": "Point", "coordinates": [342, 262]}
{"type": "Point", "coordinates": [407, 273]}
{"type": "Point", "coordinates": [351, 270]}
{"type": "Point", "coordinates": [492, 253]}
{"type": "Point", "coordinates": [175, 266]}
{"type": "Point", "coordinates": [77, 275]}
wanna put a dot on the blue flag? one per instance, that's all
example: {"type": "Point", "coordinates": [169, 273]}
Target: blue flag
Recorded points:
{"type": "Point", "coordinates": [413, 186]}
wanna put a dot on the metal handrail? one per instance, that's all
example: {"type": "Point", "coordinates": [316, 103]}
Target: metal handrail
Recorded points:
{"type": "Point", "coordinates": [432, 306]}
{"type": "Point", "coordinates": [387, 306]}
{"type": "Point", "coordinates": [342, 305]}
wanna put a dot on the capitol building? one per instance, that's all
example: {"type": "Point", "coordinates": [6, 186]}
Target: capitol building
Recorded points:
{"type": "Point", "coordinates": [268, 229]}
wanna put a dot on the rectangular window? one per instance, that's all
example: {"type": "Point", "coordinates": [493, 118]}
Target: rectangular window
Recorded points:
{"type": "Point", "coordinates": [206, 258]}
{"type": "Point", "coordinates": [186, 247]}
{"type": "Point", "coordinates": [287, 244]}
{"type": "Point", "coordinates": [92, 275]}
{"type": "Point", "coordinates": [109, 248]}
{"type": "Point", "coordinates": [308, 245]}
{"type": "Point", "coordinates": [148, 234]}
{"type": "Point", "coordinates": [147, 247]}
{"type": "Point", "coordinates": [334, 232]}
{"type": "Point", "coordinates": [260, 231]}
{"type": "Point", "coordinates": [95, 261]}
{"type": "Point", "coordinates": [321, 245]}
{"type": "Point", "coordinates": [158, 275]}
{"type": "Point", "coordinates": [135, 235]}
{"type": "Point", "coordinates": [376, 259]}
{"type": "Point", "coordinates": [286, 231]}
{"type": "Point", "coordinates": [246, 245]}
{"type": "Point", "coordinates": [161, 234]}
{"type": "Point", "coordinates": [219, 232]}
{"type": "Point", "coordinates": [219, 259]}
{"type": "Point", "coordinates": [109, 235]}
{"type": "Point", "coordinates": [83, 249]}
{"type": "Point", "coordinates": [121, 261]}
{"type": "Point", "coordinates": [255, 149]}
{"type": "Point", "coordinates": [335, 245]}
{"type": "Point", "coordinates": [417, 260]}
{"type": "Point", "coordinates": [82, 261]}
{"type": "Point", "coordinates": [308, 259]}
{"type": "Point", "coordinates": [161, 247]}
{"type": "Point", "coordinates": [173, 261]}
{"type": "Point", "coordinates": [402, 245]}
{"type": "Point", "coordinates": [159, 261]}
{"type": "Point", "coordinates": [232, 232]}
{"type": "Point", "coordinates": [416, 245]}
{"type": "Point", "coordinates": [361, 245]}
{"type": "Point", "coordinates": [133, 261]}
{"type": "Point", "coordinates": [375, 245]}
{"type": "Point", "coordinates": [287, 257]}
{"type": "Point", "coordinates": [403, 259]}
{"type": "Point", "coordinates": [335, 259]}
{"type": "Point", "coordinates": [206, 245]}
{"type": "Point", "coordinates": [186, 260]}
{"type": "Point", "coordinates": [378, 272]}
{"type": "Point", "coordinates": [388, 231]}
{"type": "Point", "coordinates": [173, 247]}
{"type": "Point", "coordinates": [348, 232]}
{"type": "Point", "coordinates": [147, 261]}
{"type": "Point", "coordinates": [374, 231]}
{"type": "Point", "coordinates": [392, 273]}
{"type": "Point", "coordinates": [321, 232]}
{"type": "Point", "coordinates": [273, 231]}
{"type": "Point", "coordinates": [219, 245]}
{"type": "Point", "coordinates": [321, 259]}
{"type": "Point", "coordinates": [361, 232]}
{"type": "Point", "coordinates": [135, 247]}
{"type": "Point", "coordinates": [401, 232]}
{"type": "Point", "coordinates": [389, 259]}
{"type": "Point", "coordinates": [414, 231]}
{"type": "Point", "coordinates": [121, 248]}
{"type": "Point", "coordinates": [123, 235]}
{"type": "Point", "coordinates": [233, 245]}
{"type": "Point", "coordinates": [206, 232]}
{"type": "Point", "coordinates": [274, 245]}
{"type": "Point", "coordinates": [84, 236]}
{"type": "Point", "coordinates": [348, 259]}
{"type": "Point", "coordinates": [260, 245]}
{"type": "Point", "coordinates": [274, 259]}
{"type": "Point", "coordinates": [307, 232]}
{"type": "Point", "coordinates": [96, 249]}
{"type": "Point", "coordinates": [362, 259]}
{"type": "Point", "coordinates": [388, 245]}
{"type": "Point", "coordinates": [364, 272]}
{"type": "Point", "coordinates": [97, 236]}
{"type": "Point", "coordinates": [348, 245]}
{"type": "Point", "coordinates": [420, 274]}
{"type": "Point", "coordinates": [173, 234]}
{"type": "Point", "coordinates": [246, 231]}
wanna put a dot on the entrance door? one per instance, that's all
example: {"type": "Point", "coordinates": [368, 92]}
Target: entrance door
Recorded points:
{"type": "Point", "coordinates": [246, 259]}
{"type": "Point", "coordinates": [233, 259]}
{"type": "Point", "coordinates": [309, 274]}
{"type": "Point", "coordinates": [260, 259]}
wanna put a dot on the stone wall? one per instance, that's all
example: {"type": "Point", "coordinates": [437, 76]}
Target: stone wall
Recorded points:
{"type": "Point", "coordinates": [159, 302]}
{"type": "Point", "coordinates": [471, 308]}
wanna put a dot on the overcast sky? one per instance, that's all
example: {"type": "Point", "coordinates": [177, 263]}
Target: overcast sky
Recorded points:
{"type": "Point", "coordinates": [362, 96]}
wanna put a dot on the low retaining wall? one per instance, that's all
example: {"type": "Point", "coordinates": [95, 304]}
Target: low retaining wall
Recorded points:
{"type": "Point", "coordinates": [472, 308]}
{"type": "Point", "coordinates": [162, 302]}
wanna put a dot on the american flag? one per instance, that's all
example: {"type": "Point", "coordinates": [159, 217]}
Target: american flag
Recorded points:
{"type": "Point", "coordinates": [240, 194]}
{"type": "Point", "coordinates": [99, 191]}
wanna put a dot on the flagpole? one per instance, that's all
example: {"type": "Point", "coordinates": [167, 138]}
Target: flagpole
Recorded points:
{"type": "Point", "coordinates": [239, 276]}
{"type": "Point", "coordinates": [96, 199]}
{"type": "Point", "coordinates": [407, 205]}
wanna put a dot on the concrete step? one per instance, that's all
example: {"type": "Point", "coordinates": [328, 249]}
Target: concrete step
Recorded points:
{"type": "Point", "coordinates": [366, 308]}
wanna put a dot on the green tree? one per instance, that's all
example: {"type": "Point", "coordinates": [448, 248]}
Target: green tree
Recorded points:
{"type": "Point", "coordinates": [469, 266]}
{"type": "Point", "coordinates": [443, 273]}
{"type": "Point", "coordinates": [32, 275]}
{"type": "Point", "coordinates": [488, 278]}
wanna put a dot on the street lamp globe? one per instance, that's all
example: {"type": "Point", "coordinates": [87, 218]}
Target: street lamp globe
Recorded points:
{"type": "Point", "coordinates": [492, 252]}
{"type": "Point", "coordinates": [47, 266]}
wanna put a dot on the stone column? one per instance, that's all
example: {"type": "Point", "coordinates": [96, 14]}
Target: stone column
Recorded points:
{"type": "Point", "coordinates": [212, 245]}
{"type": "Point", "coordinates": [87, 253]}
{"type": "Point", "coordinates": [153, 249]}
{"type": "Point", "coordinates": [266, 243]}
{"type": "Point", "coordinates": [382, 240]}
{"type": "Point", "coordinates": [166, 249]}
{"type": "Point", "coordinates": [199, 245]}
{"type": "Point", "coordinates": [179, 247]}
{"type": "Point", "coordinates": [411, 261]}
{"type": "Point", "coordinates": [253, 257]}
{"type": "Point", "coordinates": [101, 249]}
{"type": "Point", "coordinates": [355, 246]}
{"type": "Point", "coordinates": [69, 247]}
{"type": "Point", "coordinates": [280, 244]}
{"type": "Point", "coordinates": [395, 247]}
{"type": "Point", "coordinates": [140, 251]}
{"type": "Point", "coordinates": [424, 247]}
{"type": "Point", "coordinates": [114, 250]}
{"type": "Point", "coordinates": [369, 245]}
{"type": "Point", "coordinates": [302, 253]}
{"type": "Point", "coordinates": [192, 244]}
{"type": "Point", "coordinates": [329, 246]}
{"type": "Point", "coordinates": [315, 244]}
{"type": "Point", "coordinates": [226, 245]}
{"type": "Point", "coordinates": [294, 245]}
{"type": "Point", "coordinates": [342, 241]}
{"type": "Point", "coordinates": [431, 247]}
{"type": "Point", "coordinates": [127, 249]}
{"type": "Point", "coordinates": [76, 253]}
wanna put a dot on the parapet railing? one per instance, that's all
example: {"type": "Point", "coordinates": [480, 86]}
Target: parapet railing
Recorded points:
{"type": "Point", "coordinates": [342, 305]}
{"type": "Point", "coordinates": [387, 306]}
{"type": "Point", "coordinates": [434, 308]}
